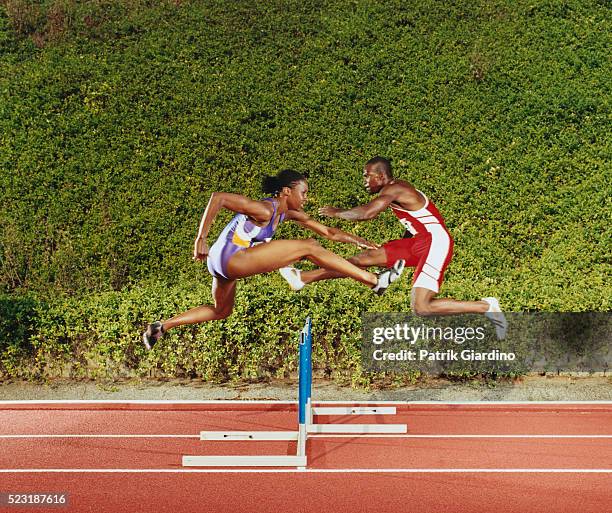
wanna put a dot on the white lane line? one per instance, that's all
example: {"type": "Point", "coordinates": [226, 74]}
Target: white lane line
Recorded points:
{"type": "Point", "coordinates": [256, 401]}
{"type": "Point", "coordinates": [365, 435]}
{"type": "Point", "coordinates": [4, 437]}
{"type": "Point", "coordinates": [139, 401]}
{"type": "Point", "coordinates": [458, 436]}
{"type": "Point", "coordinates": [314, 471]}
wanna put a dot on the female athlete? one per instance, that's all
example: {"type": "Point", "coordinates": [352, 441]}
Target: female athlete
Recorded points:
{"type": "Point", "coordinates": [244, 248]}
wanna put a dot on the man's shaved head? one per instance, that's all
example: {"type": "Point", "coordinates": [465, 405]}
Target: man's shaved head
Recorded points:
{"type": "Point", "coordinates": [380, 165]}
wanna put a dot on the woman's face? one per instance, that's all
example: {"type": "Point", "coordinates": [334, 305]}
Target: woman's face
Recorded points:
{"type": "Point", "coordinates": [298, 195]}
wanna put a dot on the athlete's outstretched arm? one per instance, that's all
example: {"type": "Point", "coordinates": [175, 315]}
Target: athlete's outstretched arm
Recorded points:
{"type": "Point", "coordinates": [361, 213]}
{"type": "Point", "coordinates": [259, 211]}
{"type": "Point", "coordinates": [328, 232]}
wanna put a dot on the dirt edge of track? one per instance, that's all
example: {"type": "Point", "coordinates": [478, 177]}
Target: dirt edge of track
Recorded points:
{"type": "Point", "coordinates": [531, 388]}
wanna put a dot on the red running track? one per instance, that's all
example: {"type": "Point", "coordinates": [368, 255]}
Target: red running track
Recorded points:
{"type": "Point", "coordinates": [456, 458]}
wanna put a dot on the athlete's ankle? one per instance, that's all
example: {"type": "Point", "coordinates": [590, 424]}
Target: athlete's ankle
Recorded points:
{"type": "Point", "coordinates": [372, 280]}
{"type": "Point", "coordinates": [484, 307]}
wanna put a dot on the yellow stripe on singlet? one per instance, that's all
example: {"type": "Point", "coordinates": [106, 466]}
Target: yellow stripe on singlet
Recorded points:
{"type": "Point", "coordinates": [240, 242]}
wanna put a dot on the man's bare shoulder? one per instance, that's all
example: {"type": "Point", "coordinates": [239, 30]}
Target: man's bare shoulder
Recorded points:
{"type": "Point", "coordinates": [404, 194]}
{"type": "Point", "coordinates": [400, 185]}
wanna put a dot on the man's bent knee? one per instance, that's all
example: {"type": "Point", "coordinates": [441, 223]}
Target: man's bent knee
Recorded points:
{"type": "Point", "coordinates": [223, 312]}
{"type": "Point", "coordinates": [421, 308]}
{"type": "Point", "coordinates": [421, 302]}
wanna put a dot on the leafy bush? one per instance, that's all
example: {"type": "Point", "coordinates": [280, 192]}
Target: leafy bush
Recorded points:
{"type": "Point", "coordinates": [120, 117]}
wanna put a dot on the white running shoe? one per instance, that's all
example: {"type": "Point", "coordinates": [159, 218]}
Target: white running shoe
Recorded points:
{"type": "Point", "coordinates": [496, 316]}
{"type": "Point", "coordinates": [293, 277]}
{"type": "Point", "coordinates": [387, 277]}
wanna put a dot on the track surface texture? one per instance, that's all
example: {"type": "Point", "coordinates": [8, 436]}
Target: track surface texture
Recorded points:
{"type": "Point", "coordinates": [461, 457]}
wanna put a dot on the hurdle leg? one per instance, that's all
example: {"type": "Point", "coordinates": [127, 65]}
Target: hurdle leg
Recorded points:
{"type": "Point", "coordinates": [356, 428]}
{"type": "Point", "coordinates": [244, 461]}
{"type": "Point", "coordinates": [300, 436]}
{"type": "Point", "coordinates": [354, 410]}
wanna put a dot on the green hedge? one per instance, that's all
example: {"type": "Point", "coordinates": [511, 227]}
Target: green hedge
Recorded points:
{"type": "Point", "coordinates": [119, 118]}
{"type": "Point", "coordinates": [98, 336]}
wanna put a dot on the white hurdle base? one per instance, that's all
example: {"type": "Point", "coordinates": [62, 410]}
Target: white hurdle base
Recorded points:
{"type": "Point", "coordinates": [306, 424]}
{"type": "Point", "coordinates": [226, 436]}
{"type": "Point", "coordinates": [363, 429]}
{"type": "Point", "coordinates": [249, 461]}
{"type": "Point", "coordinates": [244, 461]}
{"type": "Point", "coordinates": [311, 427]}
{"type": "Point", "coordinates": [357, 429]}
{"type": "Point", "coordinates": [353, 410]}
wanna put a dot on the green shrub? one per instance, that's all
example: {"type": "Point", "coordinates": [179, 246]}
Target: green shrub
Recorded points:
{"type": "Point", "coordinates": [119, 118]}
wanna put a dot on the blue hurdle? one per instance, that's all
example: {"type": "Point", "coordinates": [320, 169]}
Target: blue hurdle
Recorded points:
{"type": "Point", "coordinates": [306, 425]}
{"type": "Point", "coordinates": [305, 387]}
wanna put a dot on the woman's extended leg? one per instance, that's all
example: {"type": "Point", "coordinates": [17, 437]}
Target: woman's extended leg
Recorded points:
{"type": "Point", "coordinates": [369, 258]}
{"type": "Point", "coordinates": [223, 291]}
{"type": "Point", "coordinates": [269, 257]}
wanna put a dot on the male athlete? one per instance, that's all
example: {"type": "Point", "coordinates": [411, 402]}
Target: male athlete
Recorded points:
{"type": "Point", "coordinates": [428, 246]}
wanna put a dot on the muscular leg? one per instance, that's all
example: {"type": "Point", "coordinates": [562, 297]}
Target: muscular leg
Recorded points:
{"type": "Point", "coordinates": [424, 303]}
{"type": "Point", "coordinates": [369, 258]}
{"type": "Point", "coordinates": [224, 292]}
{"type": "Point", "coordinates": [269, 257]}
{"type": "Point", "coordinates": [261, 259]}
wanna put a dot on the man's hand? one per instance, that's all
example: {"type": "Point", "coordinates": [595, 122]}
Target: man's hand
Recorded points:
{"type": "Point", "coordinates": [200, 250]}
{"type": "Point", "coordinates": [329, 211]}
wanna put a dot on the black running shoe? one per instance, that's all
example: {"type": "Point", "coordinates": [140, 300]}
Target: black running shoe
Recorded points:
{"type": "Point", "coordinates": [154, 332]}
{"type": "Point", "coordinates": [387, 277]}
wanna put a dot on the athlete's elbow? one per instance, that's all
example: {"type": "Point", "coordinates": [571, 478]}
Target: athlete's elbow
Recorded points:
{"type": "Point", "coordinates": [218, 198]}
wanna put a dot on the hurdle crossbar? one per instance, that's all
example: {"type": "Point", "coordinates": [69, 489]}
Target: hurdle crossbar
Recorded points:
{"type": "Point", "coordinates": [306, 424]}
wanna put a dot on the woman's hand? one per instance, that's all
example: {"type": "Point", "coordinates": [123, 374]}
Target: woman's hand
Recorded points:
{"type": "Point", "coordinates": [200, 249]}
{"type": "Point", "coordinates": [328, 211]}
{"type": "Point", "coordinates": [366, 244]}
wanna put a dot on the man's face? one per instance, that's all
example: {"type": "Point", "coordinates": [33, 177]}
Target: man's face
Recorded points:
{"type": "Point", "coordinates": [372, 180]}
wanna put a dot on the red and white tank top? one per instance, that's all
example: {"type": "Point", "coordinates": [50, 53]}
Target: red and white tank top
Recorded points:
{"type": "Point", "coordinates": [419, 222]}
